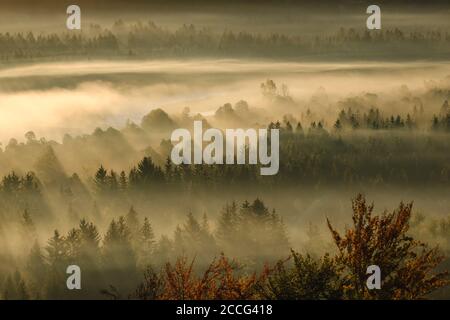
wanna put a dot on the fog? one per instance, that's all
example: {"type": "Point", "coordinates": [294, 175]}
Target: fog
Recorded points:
{"type": "Point", "coordinates": [86, 119]}
{"type": "Point", "coordinates": [71, 100]}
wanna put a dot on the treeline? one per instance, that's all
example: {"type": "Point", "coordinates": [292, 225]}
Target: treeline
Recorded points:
{"type": "Point", "coordinates": [308, 157]}
{"type": "Point", "coordinates": [124, 263]}
{"type": "Point", "coordinates": [373, 120]}
{"type": "Point", "coordinates": [313, 156]}
{"type": "Point", "coordinates": [17, 47]}
{"type": "Point", "coordinates": [150, 40]}
{"type": "Point", "coordinates": [249, 231]}
{"type": "Point", "coordinates": [351, 163]}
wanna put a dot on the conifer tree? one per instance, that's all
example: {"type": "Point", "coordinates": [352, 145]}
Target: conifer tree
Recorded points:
{"type": "Point", "coordinates": [36, 267]}
{"type": "Point", "coordinates": [101, 181]}
{"type": "Point", "coordinates": [56, 249]}
{"type": "Point", "coordinates": [132, 221]}
{"type": "Point", "coordinates": [123, 181]}
{"type": "Point", "coordinates": [28, 223]}
{"type": "Point", "coordinates": [146, 242]}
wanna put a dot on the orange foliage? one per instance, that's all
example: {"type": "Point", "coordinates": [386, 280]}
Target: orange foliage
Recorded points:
{"type": "Point", "coordinates": [407, 265]}
{"type": "Point", "coordinates": [220, 281]}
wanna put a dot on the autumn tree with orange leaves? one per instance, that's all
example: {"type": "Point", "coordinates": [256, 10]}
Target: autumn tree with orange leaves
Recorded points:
{"type": "Point", "coordinates": [407, 265]}
{"type": "Point", "coordinates": [221, 280]}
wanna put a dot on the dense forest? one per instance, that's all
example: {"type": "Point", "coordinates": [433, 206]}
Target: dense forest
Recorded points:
{"type": "Point", "coordinates": [148, 40]}
{"type": "Point", "coordinates": [100, 211]}
{"type": "Point", "coordinates": [128, 262]}
{"type": "Point", "coordinates": [87, 177]}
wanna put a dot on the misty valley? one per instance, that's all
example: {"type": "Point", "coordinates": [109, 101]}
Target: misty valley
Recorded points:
{"type": "Point", "coordinates": [175, 160]}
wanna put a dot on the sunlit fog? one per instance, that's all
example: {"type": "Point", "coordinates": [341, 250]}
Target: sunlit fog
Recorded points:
{"type": "Point", "coordinates": [88, 179]}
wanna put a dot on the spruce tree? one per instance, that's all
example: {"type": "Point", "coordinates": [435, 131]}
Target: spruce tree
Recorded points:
{"type": "Point", "coordinates": [146, 242]}
{"type": "Point", "coordinates": [132, 221]}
